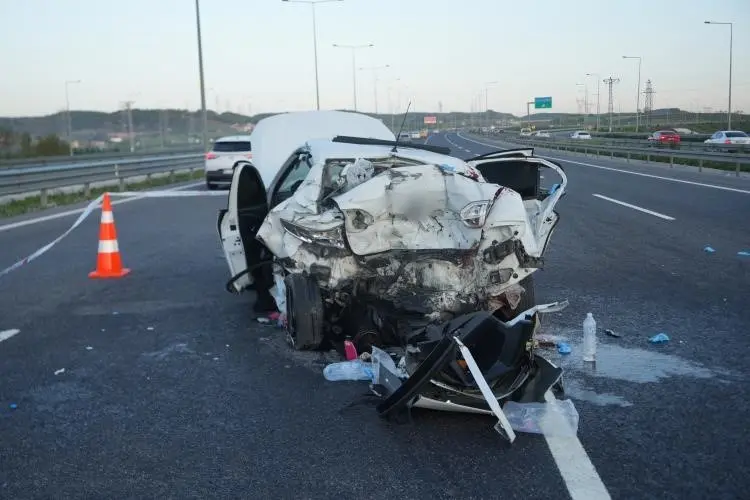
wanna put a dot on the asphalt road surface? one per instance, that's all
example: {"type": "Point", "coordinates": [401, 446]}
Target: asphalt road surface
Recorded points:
{"type": "Point", "coordinates": [171, 389]}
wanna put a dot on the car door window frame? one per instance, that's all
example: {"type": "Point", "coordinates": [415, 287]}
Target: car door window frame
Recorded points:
{"type": "Point", "coordinates": [280, 184]}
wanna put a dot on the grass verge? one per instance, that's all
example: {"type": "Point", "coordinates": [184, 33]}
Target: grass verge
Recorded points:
{"type": "Point", "coordinates": [34, 203]}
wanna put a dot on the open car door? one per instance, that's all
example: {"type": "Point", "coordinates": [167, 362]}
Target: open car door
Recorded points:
{"type": "Point", "coordinates": [520, 170]}
{"type": "Point", "coordinates": [238, 224]}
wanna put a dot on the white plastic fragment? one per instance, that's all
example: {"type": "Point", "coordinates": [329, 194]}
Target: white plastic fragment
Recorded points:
{"type": "Point", "coordinates": [558, 418]}
{"type": "Point", "coordinates": [60, 371]}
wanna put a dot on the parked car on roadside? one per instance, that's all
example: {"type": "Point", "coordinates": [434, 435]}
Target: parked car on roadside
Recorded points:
{"type": "Point", "coordinates": [664, 138]}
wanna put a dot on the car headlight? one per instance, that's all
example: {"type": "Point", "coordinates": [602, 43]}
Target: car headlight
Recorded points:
{"type": "Point", "coordinates": [475, 213]}
{"type": "Point", "coordinates": [331, 236]}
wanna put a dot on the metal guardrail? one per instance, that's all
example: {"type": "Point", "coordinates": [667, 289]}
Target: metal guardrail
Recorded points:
{"type": "Point", "coordinates": [630, 153]}
{"type": "Point", "coordinates": [88, 157]}
{"type": "Point", "coordinates": [42, 179]}
{"type": "Point", "coordinates": [685, 144]}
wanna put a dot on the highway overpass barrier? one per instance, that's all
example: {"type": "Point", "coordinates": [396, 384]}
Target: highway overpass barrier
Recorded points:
{"type": "Point", "coordinates": [28, 180]}
{"type": "Point", "coordinates": [738, 162]}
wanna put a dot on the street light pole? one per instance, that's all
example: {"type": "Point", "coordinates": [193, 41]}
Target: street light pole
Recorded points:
{"type": "Point", "coordinates": [315, 41]}
{"type": "Point", "coordinates": [598, 93]}
{"type": "Point", "coordinates": [204, 113]}
{"type": "Point", "coordinates": [69, 132]}
{"type": "Point", "coordinates": [486, 101]}
{"type": "Point", "coordinates": [638, 92]}
{"type": "Point", "coordinates": [729, 106]}
{"type": "Point", "coordinates": [354, 48]}
{"type": "Point", "coordinates": [374, 70]}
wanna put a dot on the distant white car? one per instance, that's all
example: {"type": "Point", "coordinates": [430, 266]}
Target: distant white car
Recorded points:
{"type": "Point", "coordinates": [542, 134]}
{"type": "Point", "coordinates": [580, 134]}
{"type": "Point", "coordinates": [728, 138]}
{"type": "Point", "coordinates": [220, 161]}
{"type": "Point", "coordinates": [404, 137]}
{"type": "Point", "coordinates": [415, 135]}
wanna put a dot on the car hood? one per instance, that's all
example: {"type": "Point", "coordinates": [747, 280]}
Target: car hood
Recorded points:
{"type": "Point", "coordinates": [275, 138]}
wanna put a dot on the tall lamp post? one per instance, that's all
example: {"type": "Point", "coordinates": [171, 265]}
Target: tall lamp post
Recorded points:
{"type": "Point", "coordinates": [315, 41]}
{"type": "Point", "coordinates": [69, 132]}
{"type": "Point", "coordinates": [729, 107]}
{"type": "Point", "coordinates": [354, 48]}
{"type": "Point", "coordinates": [598, 93]}
{"type": "Point", "coordinates": [638, 92]}
{"type": "Point", "coordinates": [204, 114]}
{"type": "Point", "coordinates": [486, 100]}
{"type": "Point", "coordinates": [374, 70]}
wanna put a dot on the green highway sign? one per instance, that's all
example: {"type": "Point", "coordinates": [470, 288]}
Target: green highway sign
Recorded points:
{"type": "Point", "coordinates": [542, 102]}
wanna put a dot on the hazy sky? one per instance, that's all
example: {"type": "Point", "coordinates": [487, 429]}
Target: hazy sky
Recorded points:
{"type": "Point", "coordinates": [258, 54]}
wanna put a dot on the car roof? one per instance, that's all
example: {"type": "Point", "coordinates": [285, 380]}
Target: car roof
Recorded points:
{"type": "Point", "coordinates": [275, 138]}
{"type": "Point", "coordinates": [233, 138]}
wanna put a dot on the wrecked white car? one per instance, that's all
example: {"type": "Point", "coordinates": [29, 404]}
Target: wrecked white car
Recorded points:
{"type": "Point", "coordinates": [389, 244]}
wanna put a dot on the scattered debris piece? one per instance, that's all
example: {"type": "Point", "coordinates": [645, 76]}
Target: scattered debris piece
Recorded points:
{"type": "Point", "coordinates": [88, 348]}
{"type": "Point", "coordinates": [546, 341]}
{"type": "Point", "coordinates": [744, 253]}
{"type": "Point", "coordinates": [226, 345]}
{"type": "Point", "coordinates": [709, 250]}
{"type": "Point", "coordinates": [61, 370]}
{"type": "Point", "coordinates": [264, 321]}
{"type": "Point", "coordinates": [104, 329]}
{"type": "Point", "coordinates": [659, 338]}
{"type": "Point", "coordinates": [350, 350]}
{"type": "Point", "coordinates": [115, 313]}
{"type": "Point", "coordinates": [264, 339]}
{"type": "Point", "coordinates": [349, 370]}
{"type": "Point", "coordinates": [216, 359]}
{"type": "Point", "coordinates": [563, 348]}
{"type": "Point", "coordinates": [559, 418]}
{"type": "Point", "coordinates": [6, 334]}
{"type": "Point", "coordinates": [13, 406]}
{"type": "Point", "coordinates": [612, 333]}
{"type": "Point", "coordinates": [150, 328]}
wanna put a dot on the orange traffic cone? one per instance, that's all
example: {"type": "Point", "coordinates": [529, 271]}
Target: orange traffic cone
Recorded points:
{"type": "Point", "coordinates": [108, 262]}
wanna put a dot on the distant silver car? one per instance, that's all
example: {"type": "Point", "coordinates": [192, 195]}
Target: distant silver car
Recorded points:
{"type": "Point", "coordinates": [728, 138]}
{"type": "Point", "coordinates": [580, 134]}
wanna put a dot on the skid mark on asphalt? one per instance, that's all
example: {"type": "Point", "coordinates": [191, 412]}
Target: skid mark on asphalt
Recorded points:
{"type": "Point", "coordinates": [635, 207]}
{"type": "Point", "coordinates": [6, 334]}
{"type": "Point", "coordinates": [621, 171]}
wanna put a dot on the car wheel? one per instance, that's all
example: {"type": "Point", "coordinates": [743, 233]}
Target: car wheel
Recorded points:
{"type": "Point", "coordinates": [210, 186]}
{"type": "Point", "coordinates": [304, 306]}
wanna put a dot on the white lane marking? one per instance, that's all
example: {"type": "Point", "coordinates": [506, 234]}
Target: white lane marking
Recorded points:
{"type": "Point", "coordinates": [574, 464]}
{"type": "Point", "coordinates": [652, 176]}
{"type": "Point", "coordinates": [6, 334]}
{"type": "Point", "coordinates": [44, 218]}
{"type": "Point", "coordinates": [636, 207]}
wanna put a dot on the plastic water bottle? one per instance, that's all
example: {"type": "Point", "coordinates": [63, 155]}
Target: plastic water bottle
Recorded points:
{"type": "Point", "coordinates": [589, 338]}
{"type": "Point", "coordinates": [348, 370]}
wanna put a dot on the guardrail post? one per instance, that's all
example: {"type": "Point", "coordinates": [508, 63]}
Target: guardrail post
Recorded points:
{"type": "Point", "coordinates": [737, 171]}
{"type": "Point", "coordinates": [121, 185]}
{"type": "Point", "coordinates": [43, 199]}
{"type": "Point", "coordinates": [87, 189]}
{"type": "Point", "coordinates": [648, 157]}
{"type": "Point", "coordinates": [628, 157]}
{"type": "Point", "coordinates": [671, 161]}
{"type": "Point", "coordinates": [700, 164]}
{"type": "Point", "coordinates": [171, 176]}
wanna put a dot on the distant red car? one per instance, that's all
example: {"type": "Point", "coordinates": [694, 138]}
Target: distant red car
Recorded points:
{"type": "Point", "coordinates": [667, 137]}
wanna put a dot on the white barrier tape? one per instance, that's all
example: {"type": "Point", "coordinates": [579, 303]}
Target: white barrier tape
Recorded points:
{"type": "Point", "coordinates": [93, 206]}
{"type": "Point", "coordinates": [169, 194]}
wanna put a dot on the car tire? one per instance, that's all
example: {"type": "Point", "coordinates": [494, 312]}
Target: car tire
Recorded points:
{"type": "Point", "coordinates": [304, 305]}
{"type": "Point", "coordinates": [210, 186]}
